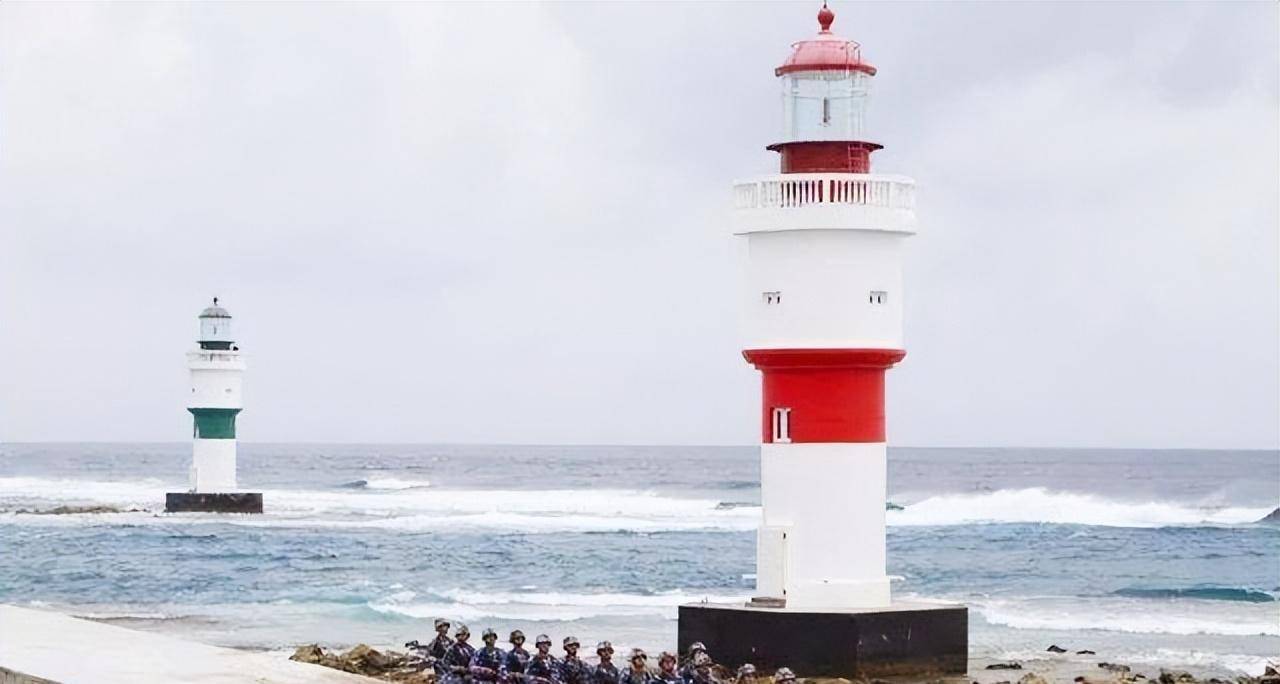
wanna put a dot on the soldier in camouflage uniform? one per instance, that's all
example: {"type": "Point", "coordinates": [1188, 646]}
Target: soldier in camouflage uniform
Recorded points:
{"type": "Point", "coordinates": [542, 667]}
{"type": "Point", "coordinates": [606, 672]}
{"type": "Point", "coordinates": [572, 669]}
{"type": "Point", "coordinates": [784, 675]}
{"type": "Point", "coordinates": [638, 672]}
{"type": "Point", "coordinates": [517, 657]}
{"type": "Point", "coordinates": [437, 647]}
{"type": "Point", "coordinates": [456, 662]}
{"type": "Point", "coordinates": [702, 670]}
{"type": "Point", "coordinates": [686, 670]}
{"type": "Point", "coordinates": [746, 674]}
{"type": "Point", "coordinates": [668, 673]}
{"type": "Point", "coordinates": [489, 663]}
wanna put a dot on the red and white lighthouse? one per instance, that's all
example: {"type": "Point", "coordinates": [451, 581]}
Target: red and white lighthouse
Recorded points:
{"type": "Point", "coordinates": [824, 296]}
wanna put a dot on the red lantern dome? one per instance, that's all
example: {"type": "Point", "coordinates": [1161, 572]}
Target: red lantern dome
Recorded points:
{"type": "Point", "coordinates": [825, 52]}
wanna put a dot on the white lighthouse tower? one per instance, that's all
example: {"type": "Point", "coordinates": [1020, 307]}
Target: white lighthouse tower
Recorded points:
{"type": "Point", "coordinates": [824, 301]}
{"type": "Point", "coordinates": [824, 298]}
{"type": "Point", "coordinates": [216, 400]}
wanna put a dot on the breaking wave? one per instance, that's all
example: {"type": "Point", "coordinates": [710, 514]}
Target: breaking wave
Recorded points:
{"type": "Point", "coordinates": [392, 503]}
{"type": "Point", "coordinates": [1204, 593]}
{"type": "Point", "coordinates": [390, 483]}
{"type": "Point", "coordinates": [1189, 617]}
{"type": "Point", "coordinates": [1040, 505]}
{"type": "Point", "coordinates": [460, 604]}
{"type": "Point", "coordinates": [405, 505]}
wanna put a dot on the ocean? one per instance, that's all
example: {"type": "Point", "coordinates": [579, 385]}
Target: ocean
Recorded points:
{"type": "Point", "coordinates": [1139, 555]}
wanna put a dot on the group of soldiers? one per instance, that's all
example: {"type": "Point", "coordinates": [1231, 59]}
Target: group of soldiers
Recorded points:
{"type": "Point", "coordinates": [456, 661]}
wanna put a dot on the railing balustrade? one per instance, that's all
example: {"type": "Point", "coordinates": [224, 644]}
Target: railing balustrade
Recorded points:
{"type": "Point", "coordinates": [799, 190]}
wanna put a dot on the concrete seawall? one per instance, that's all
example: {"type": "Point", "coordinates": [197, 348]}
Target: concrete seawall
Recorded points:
{"type": "Point", "coordinates": [42, 647]}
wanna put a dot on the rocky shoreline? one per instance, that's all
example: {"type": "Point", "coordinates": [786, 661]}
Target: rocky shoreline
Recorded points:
{"type": "Point", "coordinates": [395, 666]}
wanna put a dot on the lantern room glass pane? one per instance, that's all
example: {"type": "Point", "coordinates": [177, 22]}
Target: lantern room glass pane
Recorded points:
{"type": "Point", "coordinates": [824, 105]}
{"type": "Point", "coordinates": [215, 330]}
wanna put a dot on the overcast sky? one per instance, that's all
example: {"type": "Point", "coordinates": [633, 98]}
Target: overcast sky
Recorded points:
{"type": "Point", "coordinates": [509, 223]}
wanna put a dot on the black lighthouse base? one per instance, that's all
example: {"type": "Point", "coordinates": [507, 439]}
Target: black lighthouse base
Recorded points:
{"type": "Point", "coordinates": [903, 640]}
{"type": "Point", "coordinates": [213, 502]}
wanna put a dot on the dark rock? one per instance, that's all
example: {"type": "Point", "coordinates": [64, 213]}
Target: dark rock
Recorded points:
{"type": "Point", "coordinates": [1086, 652]}
{"type": "Point", "coordinates": [1175, 677]}
{"type": "Point", "coordinates": [1113, 667]}
{"type": "Point", "coordinates": [311, 653]}
{"type": "Point", "coordinates": [1005, 666]}
{"type": "Point", "coordinates": [368, 661]}
{"type": "Point", "coordinates": [365, 659]}
{"type": "Point", "coordinates": [1054, 648]}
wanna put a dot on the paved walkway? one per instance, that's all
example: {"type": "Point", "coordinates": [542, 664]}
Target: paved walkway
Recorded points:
{"type": "Point", "coordinates": [50, 646]}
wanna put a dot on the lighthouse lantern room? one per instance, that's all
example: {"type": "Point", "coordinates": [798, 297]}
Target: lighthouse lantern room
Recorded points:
{"type": "Point", "coordinates": [823, 298]}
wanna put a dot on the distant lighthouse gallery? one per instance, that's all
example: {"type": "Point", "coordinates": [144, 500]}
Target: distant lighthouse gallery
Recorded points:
{"type": "Point", "coordinates": [823, 299]}
{"type": "Point", "coordinates": [216, 368]}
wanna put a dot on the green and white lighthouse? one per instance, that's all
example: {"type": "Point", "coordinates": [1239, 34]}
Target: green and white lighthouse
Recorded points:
{"type": "Point", "coordinates": [215, 401]}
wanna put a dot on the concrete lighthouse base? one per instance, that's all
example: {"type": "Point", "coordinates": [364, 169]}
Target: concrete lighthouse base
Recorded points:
{"type": "Point", "coordinates": [903, 640]}
{"type": "Point", "coordinates": [213, 502]}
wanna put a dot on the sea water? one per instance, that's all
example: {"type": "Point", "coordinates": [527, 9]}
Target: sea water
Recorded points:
{"type": "Point", "coordinates": [1141, 556]}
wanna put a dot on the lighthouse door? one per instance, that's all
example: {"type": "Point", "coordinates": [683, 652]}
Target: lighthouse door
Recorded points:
{"type": "Point", "coordinates": [771, 561]}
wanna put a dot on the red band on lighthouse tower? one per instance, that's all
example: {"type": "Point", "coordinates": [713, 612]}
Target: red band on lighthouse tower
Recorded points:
{"type": "Point", "coordinates": [829, 395]}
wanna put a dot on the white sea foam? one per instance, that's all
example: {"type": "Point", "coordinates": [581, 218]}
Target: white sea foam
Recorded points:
{"type": "Point", "coordinates": [395, 483]}
{"type": "Point", "coordinates": [459, 604]}
{"type": "Point", "coordinates": [392, 503]}
{"type": "Point", "coordinates": [1039, 505]}
{"type": "Point", "coordinates": [399, 506]}
{"type": "Point", "coordinates": [1129, 615]}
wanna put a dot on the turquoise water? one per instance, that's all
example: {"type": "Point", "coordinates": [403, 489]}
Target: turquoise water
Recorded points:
{"type": "Point", "coordinates": [1138, 555]}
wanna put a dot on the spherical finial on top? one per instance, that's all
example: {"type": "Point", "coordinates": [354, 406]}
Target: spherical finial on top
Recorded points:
{"type": "Point", "coordinates": [825, 18]}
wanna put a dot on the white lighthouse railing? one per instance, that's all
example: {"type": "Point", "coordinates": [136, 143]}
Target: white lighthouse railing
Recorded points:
{"type": "Point", "coordinates": [802, 189]}
{"type": "Point", "coordinates": [825, 201]}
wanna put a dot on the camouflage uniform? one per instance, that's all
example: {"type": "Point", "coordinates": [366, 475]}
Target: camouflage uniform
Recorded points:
{"type": "Point", "coordinates": [517, 657]}
{"type": "Point", "coordinates": [702, 673]}
{"type": "Point", "coordinates": [488, 663]}
{"type": "Point", "coordinates": [668, 673]}
{"type": "Point", "coordinates": [606, 672]}
{"type": "Point", "coordinates": [439, 646]}
{"type": "Point", "coordinates": [542, 668]}
{"type": "Point", "coordinates": [457, 659]}
{"type": "Point", "coordinates": [687, 670]}
{"type": "Point", "coordinates": [637, 676]}
{"type": "Point", "coordinates": [572, 669]}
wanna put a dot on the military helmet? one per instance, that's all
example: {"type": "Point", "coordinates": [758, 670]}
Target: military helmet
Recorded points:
{"type": "Point", "coordinates": [604, 646]}
{"type": "Point", "coordinates": [441, 621]}
{"type": "Point", "coordinates": [701, 659]}
{"type": "Point", "coordinates": [746, 669]}
{"type": "Point", "coordinates": [784, 674]}
{"type": "Point", "coordinates": [571, 641]}
{"type": "Point", "coordinates": [462, 629]}
{"type": "Point", "coordinates": [697, 647]}
{"type": "Point", "coordinates": [668, 655]}
{"type": "Point", "coordinates": [542, 639]}
{"type": "Point", "coordinates": [489, 632]}
{"type": "Point", "coordinates": [516, 634]}
{"type": "Point", "coordinates": [639, 653]}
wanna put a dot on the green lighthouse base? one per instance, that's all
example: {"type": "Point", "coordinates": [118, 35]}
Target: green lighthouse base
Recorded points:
{"type": "Point", "coordinates": [213, 502]}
